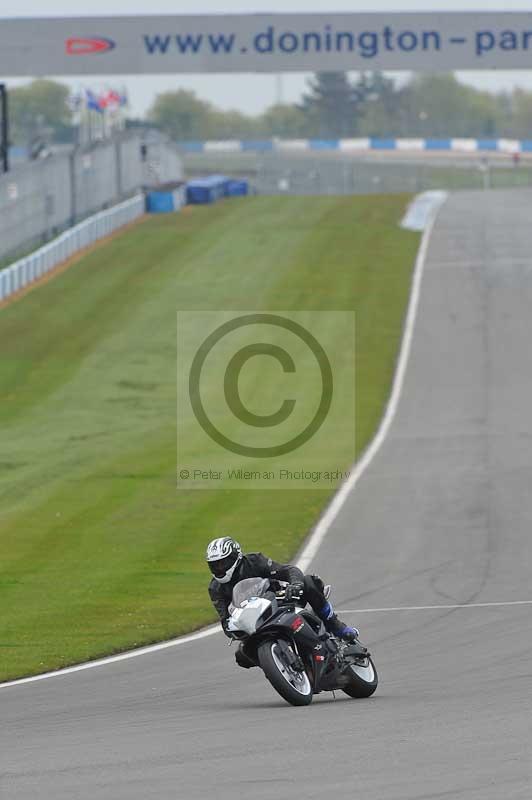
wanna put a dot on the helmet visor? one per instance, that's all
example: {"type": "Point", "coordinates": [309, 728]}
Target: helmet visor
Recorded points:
{"type": "Point", "coordinates": [219, 568]}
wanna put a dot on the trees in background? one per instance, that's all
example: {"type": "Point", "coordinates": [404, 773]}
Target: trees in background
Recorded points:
{"type": "Point", "coordinates": [184, 116]}
{"type": "Point", "coordinates": [518, 119]}
{"type": "Point", "coordinates": [440, 106]}
{"type": "Point", "coordinates": [383, 113]}
{"type": "Point", "coordinates": [335, 105]}
{"type": "Point", "coordinates": [40, 110]}
{"type": "Point", "coordinates": [181, 115]}
{"type": "Point", "coordinates": [283, 120]}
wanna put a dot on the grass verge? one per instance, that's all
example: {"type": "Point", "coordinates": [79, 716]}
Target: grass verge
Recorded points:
{"type": "Point", "coordinates": [99, 551]}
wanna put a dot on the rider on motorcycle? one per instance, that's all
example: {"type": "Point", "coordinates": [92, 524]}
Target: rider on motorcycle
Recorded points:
{"type": "Point", "coordinates": [229, 566]}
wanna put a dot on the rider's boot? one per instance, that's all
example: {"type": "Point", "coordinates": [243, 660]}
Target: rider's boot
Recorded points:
{"type": "Point", "coordinates": [336, 626]}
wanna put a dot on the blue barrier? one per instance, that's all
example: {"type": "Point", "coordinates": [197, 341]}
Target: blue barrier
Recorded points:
{"type": "Point", "coordinates": [237, 188]}
{"type": "Point", "coordinates": [324, 144]}
{"type": "Point", "coordinates": [260, 146]}
{"type": "Point", "coordinates": [438, 144]}
{"type": "Point", "coordinates": [200, 191]}
{"type": "Point", "coordinates": [488, 144]}
{"type": "Point", "coordinates": [165, 199]}
{"type": "Point", "coordinates": [206, 190]}
{"type": "Point", "coordinates": [192, 147]}
{"type": "Point", "coordinates": [382, 144]}
{"type": "Point", "coordinates": [159, 202]}
{"type": "Point", "coordinates": [222, 181]}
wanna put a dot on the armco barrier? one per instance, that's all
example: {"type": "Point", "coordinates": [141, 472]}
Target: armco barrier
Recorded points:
{"type": "Point", "coordinates": [508, 146]}
{"type": "Point", "coordinates": [28, 269]}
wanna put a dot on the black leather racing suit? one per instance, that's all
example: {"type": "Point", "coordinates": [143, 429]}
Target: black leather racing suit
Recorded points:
{"type": "Point", "coordinates": [257, 565]}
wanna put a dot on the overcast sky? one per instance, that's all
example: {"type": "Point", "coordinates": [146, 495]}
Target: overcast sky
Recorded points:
{"type": "Point", "coordinates": [249, 93]}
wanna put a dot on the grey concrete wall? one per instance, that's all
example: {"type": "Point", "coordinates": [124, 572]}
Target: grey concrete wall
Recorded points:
{"type": "Point", "coordinates": [40, 199]}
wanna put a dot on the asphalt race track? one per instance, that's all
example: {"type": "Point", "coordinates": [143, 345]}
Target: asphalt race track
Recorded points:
{"type": "Point", "coordinates": [443, 516]}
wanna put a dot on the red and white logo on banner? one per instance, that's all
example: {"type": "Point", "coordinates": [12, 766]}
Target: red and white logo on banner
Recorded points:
{"type": "Point", "coordinates": [76, 46]}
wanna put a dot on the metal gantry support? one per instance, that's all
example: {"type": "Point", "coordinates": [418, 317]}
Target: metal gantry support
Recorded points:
{"type": "Point", "coordinates": [4, 129]}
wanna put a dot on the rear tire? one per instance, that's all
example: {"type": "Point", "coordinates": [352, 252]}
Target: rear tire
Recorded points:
{"type": "Point", "coordinates": [363, 679]}
{"type": "Point", "coordinates": [294, 687]}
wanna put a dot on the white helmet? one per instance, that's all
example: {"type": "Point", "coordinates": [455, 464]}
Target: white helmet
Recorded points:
{"type": "Point", "coordinates": [223, 555]}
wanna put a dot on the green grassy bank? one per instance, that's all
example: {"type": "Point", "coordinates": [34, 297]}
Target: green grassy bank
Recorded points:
{"type": "Point", "coordinates": [99, 550]}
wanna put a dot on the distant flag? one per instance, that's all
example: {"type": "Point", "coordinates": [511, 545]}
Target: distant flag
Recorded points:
{"type": "Point", "coordinates": [110, 99]}
{"type": "Point", "coordinates": [93, 102]}
{"type": "Point", "coordinates": [102, 100]}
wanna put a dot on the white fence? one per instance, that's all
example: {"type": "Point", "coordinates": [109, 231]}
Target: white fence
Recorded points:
{"type": "Point", "coordinates": [28, 269]}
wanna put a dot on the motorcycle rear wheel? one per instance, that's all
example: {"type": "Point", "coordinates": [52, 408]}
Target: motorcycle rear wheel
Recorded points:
{"type": "Point", "coordinates": [293, 686]}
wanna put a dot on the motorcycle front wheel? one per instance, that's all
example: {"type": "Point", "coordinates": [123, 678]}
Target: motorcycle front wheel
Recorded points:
{"type": "Point", "coordinates": [363, 678]}
{"type": "Point", "coordinates": [292, 685]}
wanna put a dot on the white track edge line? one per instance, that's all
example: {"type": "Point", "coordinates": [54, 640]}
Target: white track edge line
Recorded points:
{"type": "Point", "coordinates": [101, 662]}
{"type": "Point", "coordinates": [324, 523]}
{"type": "Point", "coordinates": [500, 604]}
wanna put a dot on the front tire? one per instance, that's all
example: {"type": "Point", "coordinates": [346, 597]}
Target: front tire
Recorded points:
{"type": "Point", "coordinates": [293, 686]}
{"type": "Point", "coordinates": [363, 678]}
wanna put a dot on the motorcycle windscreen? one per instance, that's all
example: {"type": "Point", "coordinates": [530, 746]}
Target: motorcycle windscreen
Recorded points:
{"type": "Point", "coordinates": [248, 588]}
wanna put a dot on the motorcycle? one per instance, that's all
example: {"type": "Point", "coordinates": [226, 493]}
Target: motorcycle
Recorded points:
{"type": "Point", "coordinates": [298, 656]}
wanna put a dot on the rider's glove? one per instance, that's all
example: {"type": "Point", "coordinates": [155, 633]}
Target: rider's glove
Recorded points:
{"type": "Point", "coordinates": [294, 591]}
